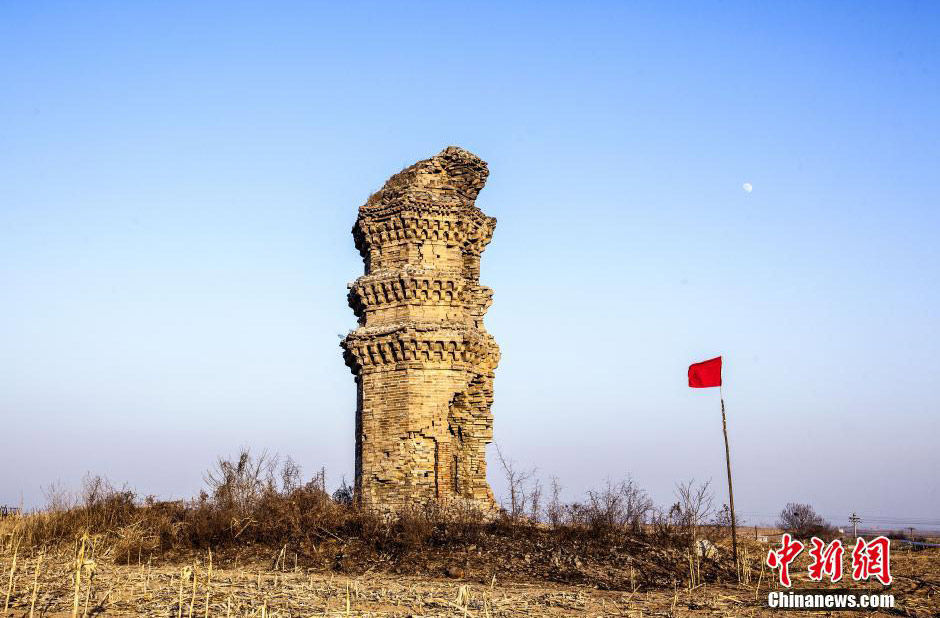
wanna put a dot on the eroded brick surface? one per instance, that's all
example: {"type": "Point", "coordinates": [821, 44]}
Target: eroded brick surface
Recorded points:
{"type": "Point", "coordinates": [422, 359]}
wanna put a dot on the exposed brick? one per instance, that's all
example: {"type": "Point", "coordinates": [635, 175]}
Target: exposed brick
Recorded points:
{"type": "Point", "coordinates": [422, 359]}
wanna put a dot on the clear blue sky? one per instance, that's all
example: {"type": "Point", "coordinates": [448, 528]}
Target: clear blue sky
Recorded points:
{"type": "Point", "coordinates": [177, 185]}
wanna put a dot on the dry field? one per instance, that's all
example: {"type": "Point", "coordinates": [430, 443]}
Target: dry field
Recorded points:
{"type": "Point", "coordinates": [251, 547]}
{"type": "Point", "coordinates": [44, 584]}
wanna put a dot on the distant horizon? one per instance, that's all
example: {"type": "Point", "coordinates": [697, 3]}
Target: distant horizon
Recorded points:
{"type": "Point", "coordinates": [178, 184]}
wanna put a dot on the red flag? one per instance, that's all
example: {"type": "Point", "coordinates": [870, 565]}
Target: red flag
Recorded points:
{"type": "Point", "coordinates": [705, 374]}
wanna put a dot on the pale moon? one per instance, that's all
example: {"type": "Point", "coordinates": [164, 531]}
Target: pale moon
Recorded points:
{"type": "Point", "coordinates": [747, 187]}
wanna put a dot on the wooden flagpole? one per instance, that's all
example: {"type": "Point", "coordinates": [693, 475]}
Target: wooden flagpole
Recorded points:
{"type": "Point", "coordinates": [734, 520]}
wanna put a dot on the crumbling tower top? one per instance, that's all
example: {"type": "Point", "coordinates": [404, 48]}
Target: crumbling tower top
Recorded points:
{"type": "Point", "coordinates": [450, 179]}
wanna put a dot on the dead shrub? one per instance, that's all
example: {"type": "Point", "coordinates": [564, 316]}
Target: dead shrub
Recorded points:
{"type": "Point", "coordinates": [802, 521]}
{"type": "Point", "coordinates": [517, 480]}
{"type": "Point", "coordinates": [261, 504]}
{"type": "Point", "coordinates": [693, 507]}
{"type": "Point", "coordinates": [617, 507]}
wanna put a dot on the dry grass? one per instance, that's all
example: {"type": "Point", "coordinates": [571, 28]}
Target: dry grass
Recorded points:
{"type": "Point", "coordinates": [256, 588]}
{"type": "Point", "coordinates": [256, 547]}
{"type": "Point", "coordinates": [255, 509]}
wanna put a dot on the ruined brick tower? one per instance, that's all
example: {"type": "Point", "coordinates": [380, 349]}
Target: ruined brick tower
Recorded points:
{"type": "Point", "coordinates": [423, 361]}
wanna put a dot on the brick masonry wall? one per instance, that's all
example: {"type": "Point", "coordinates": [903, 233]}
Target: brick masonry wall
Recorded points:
{"type": "Point", "coordinates": [422, 359]}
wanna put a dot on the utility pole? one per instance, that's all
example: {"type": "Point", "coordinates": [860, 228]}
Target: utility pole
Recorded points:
{"type": "Point", "coordinates": [856, 520]}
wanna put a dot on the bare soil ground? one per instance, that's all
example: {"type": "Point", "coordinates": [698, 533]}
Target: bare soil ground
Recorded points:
{"type": "Point", "coordinates": [276, 587]}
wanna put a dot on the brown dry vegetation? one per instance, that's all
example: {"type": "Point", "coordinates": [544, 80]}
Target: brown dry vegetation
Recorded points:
{"type": "Point", "coordinates": [260, 543]}
{"type": "Point", "coordinates": [275, 586]}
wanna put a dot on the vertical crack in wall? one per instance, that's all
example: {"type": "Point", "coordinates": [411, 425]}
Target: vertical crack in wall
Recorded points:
{"type": "Point", "coordinates": [422, 358]}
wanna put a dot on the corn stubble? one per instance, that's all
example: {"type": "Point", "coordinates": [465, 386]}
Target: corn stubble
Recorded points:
{"type": "Point", "coordinates": [253, 546]}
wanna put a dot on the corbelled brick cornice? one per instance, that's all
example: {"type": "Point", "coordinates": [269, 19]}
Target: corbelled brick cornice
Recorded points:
{"type": "Point", "coordinates": [416, 346]}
